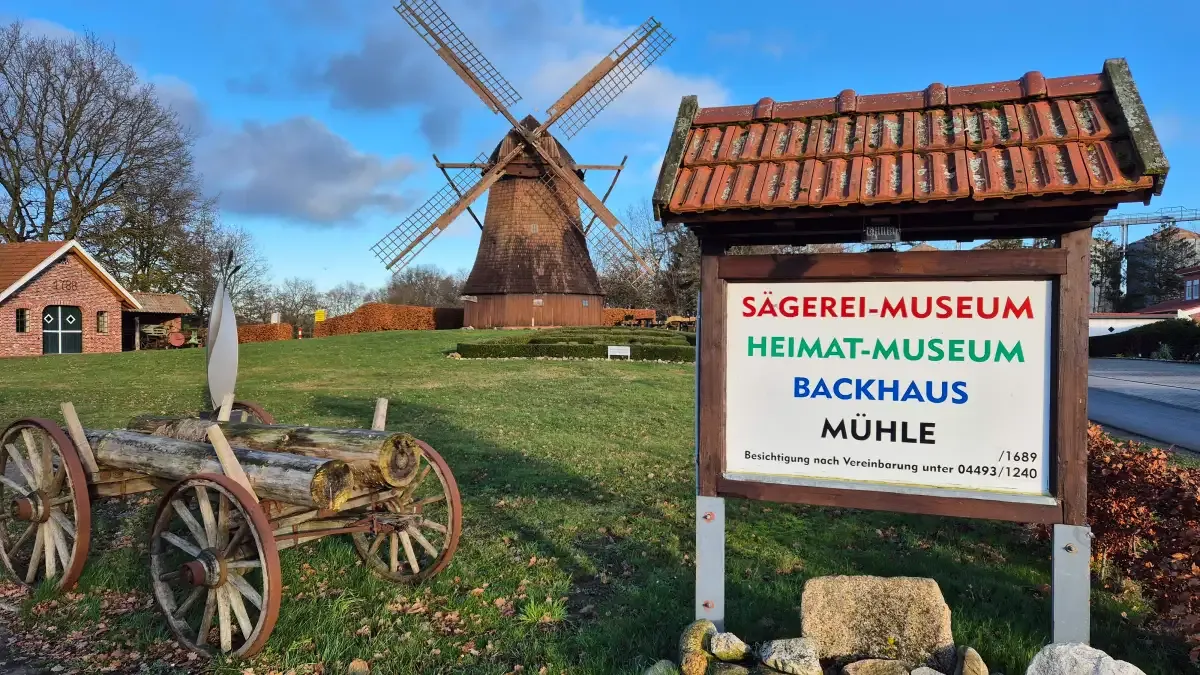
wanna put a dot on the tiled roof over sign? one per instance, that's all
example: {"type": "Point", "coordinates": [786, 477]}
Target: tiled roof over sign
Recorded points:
{"type": "Point", "coordinates": [1035, 136]}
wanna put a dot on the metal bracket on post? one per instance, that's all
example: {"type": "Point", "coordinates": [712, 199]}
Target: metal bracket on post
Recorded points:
{"type": "Point", "coordinates": [1072, 584]}
{"type": "Point", "coordinates": [710, 560]}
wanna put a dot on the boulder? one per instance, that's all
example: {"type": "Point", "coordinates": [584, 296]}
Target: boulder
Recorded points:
{"type": "Point", "coordinates": [795, 656]}
{"type": "Point", "coordinates": [925, 670]}
{"type": "Point", "coordinates": [851, 618]}
{"type": "Point", "coordinates": [875, 667]}
{"type": "Point", "coordinates": [1076, 658]}
{"type": "Point", "coordinates": [728, 647]}
{"type": "Point", "coordinates": [663, 667]}
{"type": "Point", "coordinates": [722, 668]}
{"type": "Point", "coordinates": [693, 657]}
{"type": "Point", "coordinates": [969, 662]}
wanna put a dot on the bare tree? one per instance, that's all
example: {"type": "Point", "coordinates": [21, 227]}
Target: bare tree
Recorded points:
{"type": "Point", "coordinates": [296, 299]}
{"type": "Point", "coordinates": [424, 286]}
{"type": "Point", "coordinates": [209, 245]}
{"type": "Point", "coordinates": [344, 298]}
{"type": "Point", "coordinates": [77, 128]}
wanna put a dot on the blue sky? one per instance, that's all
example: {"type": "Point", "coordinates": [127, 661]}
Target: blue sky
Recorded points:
{"type": "Point", "coordinates": [315, 119]}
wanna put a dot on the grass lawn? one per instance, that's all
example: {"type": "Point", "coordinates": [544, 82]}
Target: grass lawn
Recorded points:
{"type": "Point", "coordinates": [577, 483]}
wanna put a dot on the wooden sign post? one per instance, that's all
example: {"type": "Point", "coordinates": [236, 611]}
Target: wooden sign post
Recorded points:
{"type": "Point", "coordinates": [939, 382]}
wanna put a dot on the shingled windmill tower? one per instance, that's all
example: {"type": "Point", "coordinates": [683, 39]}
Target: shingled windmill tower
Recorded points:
{"type": "Point", "coordinates": [533, 266]}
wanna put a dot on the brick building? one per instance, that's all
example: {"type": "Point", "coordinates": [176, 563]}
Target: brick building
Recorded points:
{"type": "Point", "coordinates": [56, 299]}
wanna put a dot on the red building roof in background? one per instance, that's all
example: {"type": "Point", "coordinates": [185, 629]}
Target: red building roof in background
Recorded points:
{"type": "Point", "coordinates": [1034, 136]}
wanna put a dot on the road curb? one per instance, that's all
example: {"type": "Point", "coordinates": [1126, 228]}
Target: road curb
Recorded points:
{"type": "Point", "coordinates": [1139, 358]}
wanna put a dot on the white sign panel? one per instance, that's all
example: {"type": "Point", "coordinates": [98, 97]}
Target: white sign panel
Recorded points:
{"type": "Point", "coordinates": [929, 384]}
{"type": "Point", "coordinates": [618, 351]}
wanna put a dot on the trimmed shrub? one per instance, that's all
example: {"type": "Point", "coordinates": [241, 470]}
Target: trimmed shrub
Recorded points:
{"type": "Point", "coordinates": [1180, 337]}
{"type": "Point", "coordinates": [264, 332]}
{"type": "Point", "coordinates": [499, 350]}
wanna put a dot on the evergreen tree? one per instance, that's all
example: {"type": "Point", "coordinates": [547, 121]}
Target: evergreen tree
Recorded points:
{"type": "Point", "coordinates": [1157, 269]}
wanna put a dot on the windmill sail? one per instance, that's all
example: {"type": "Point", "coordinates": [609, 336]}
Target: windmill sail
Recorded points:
{"type": "Point", "coordinates": [222, 346]}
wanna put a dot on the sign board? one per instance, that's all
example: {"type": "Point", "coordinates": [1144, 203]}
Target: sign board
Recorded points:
{"type": "Point", "coordinates": [538, 302]}
{"type": "Point", "coordinates": [618, 351]}
{"type": "Point", "coordinates": [909, 384]}
{"type": "Point", "coordinates": [275, 317]}
{"type": "Point", "coordinates": [319, 316]}
{"type": "Point", "coordinates": [881, 234]}
{"type": "Point", "coordinates": [469, 298]}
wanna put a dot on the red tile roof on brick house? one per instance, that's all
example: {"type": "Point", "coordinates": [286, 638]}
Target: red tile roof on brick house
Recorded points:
{"type": "Point", "coordinates": [1188, 307]}
{"type": "Point", "coordinates": [1026, 138]}
{"type": "Point", "coordinates": [21, 262]}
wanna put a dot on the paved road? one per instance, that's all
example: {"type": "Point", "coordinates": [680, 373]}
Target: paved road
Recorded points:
{"type": "Point", "coordinates": [1157, 400]}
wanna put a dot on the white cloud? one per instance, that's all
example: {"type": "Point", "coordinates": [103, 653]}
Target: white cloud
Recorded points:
{"type": "Point", "coordinates": [46, 29]}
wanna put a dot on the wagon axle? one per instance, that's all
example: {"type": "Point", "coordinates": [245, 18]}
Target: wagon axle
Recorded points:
{"type": "Point", "coordinates": [208, 569]}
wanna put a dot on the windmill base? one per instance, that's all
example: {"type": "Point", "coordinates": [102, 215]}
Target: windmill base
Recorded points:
{"type": "Point", "coordinates": [527, 310]}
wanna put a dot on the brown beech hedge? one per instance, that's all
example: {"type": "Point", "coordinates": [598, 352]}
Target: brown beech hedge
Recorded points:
{"type": "Point", "coordinates": [264, 332]}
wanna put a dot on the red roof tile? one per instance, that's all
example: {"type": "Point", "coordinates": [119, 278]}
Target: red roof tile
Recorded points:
{"type": "Point", "coordinates": [162, 303]}
{"type": "Point", "coordinates": [1171, 306]}
{"type": "Point", "coordinates": [16, 260]}
{"type": "Point", "coordinates": [1034, 136]}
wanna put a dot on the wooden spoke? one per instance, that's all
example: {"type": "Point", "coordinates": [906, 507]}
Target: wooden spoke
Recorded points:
{"type": "Point", "coordinates": [180, 543]}
{"type": "Point", "coordinates": [35, 558]}
{"type": "Point", "coordinates": [433, 526]}
{"type": "Point", "coordinates": [243, 565]}
{"type": "Point", "coordinates": [170, 576]}
{"type": "Point", "coordinates": [33, 450]}
{"type": "Point", "coordinates": [190, 521]}
{"type": "Point", "coordinates": [245, 590]}
{"type": "Point", "coordinates": [60, 543]}
{"type": "Point", "coordinates": [22, 466]}
{"type": "Point", "coordinates": [49, 555]}
{"type": "Point", "coordinates": [233, 542]}
{"type": "Point", "coordinates": [206, 513]}
{"type": "Point", "coordinates": [210, 605]}
{"type": "Point", "coordinates": [415, 534]}
{"type": "Point", "coordinates": [239, 609]}
{"type": "Point", "coordinates": [409, 553]}
{"type": "Point", "coordinates": [29, 531]}
{"type": "Point", "coordinates": [420, 503]}
{"type": "Point", "coordinates": [393, 553]}
{"type": "Point", "coordinates": [375, 545]}
{"type": "Point", "coordinates": [188, 602]}
{"type": "Point", "coordinates": [12, 485]}
{"type": "Point", "coordinates": [63, 522]}
{"type": "Point", "coordinates": [223, 523]}
{"type": "Point", "coordinates": [224, 622]}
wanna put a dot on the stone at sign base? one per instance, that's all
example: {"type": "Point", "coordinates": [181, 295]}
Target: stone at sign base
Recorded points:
{"type": "Point", "coordinates": [875, 667]}
{"type": "Point", "coordinates": [663, 667]}
{"type": "Point", "coordinates": [1077, 658]}
{"type": "Point", "coordinates": [970, 662]}
{"type": "Point", "coordinates": [925, 670]}
{"type": "Point", "coordinates": [693, 645]}
{"type": "Point", "coordinates": [851, 618]}
{"type": "Point", "coordinates": [796, 656]}
{"type": "Point", "coordinates": [728, 647]}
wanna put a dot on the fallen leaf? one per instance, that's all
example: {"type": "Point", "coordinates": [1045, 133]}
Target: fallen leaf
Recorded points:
{"type": "Point", "coordinates": [358, 667]}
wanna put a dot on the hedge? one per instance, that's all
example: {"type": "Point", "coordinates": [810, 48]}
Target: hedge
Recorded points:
{"type": "Point", "coordinates": [615, 315]}
{"type": "Point", "coordinates": [1179, 337]}
{"type": "Point", "coordinates": [499, 350]}
{"type": "Point", "coordinates": [378, 316]}
{"type": "Point", "coordinates": [264, 332]}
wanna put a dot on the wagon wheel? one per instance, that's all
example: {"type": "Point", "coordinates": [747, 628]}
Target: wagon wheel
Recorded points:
{"type": "Point", "coordinates": [212, 553]}
{"type": "Point", "coordinates": [250, 411]}
{"type": "Point", "coordinates": [45, 512]}
{"type": "Point", "coordinates": [245, 411]}
{"type": "Point", "coordinates": [428, 518]}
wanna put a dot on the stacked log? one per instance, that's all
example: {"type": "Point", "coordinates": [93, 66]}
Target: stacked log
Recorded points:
{"type": "Point", "coordinates": [376, 458]}
{"type": "Point", "coordinates": [294, 479]}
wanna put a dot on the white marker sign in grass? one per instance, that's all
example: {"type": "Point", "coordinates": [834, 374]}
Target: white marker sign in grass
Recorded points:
{"type": "Point", "coordinates": [929, 384]}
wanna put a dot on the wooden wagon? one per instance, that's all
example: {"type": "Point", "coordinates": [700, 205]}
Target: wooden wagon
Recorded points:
{"type": "Point", "coordinates": [214, 543]}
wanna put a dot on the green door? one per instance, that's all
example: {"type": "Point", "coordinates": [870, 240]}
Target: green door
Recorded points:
{"type": "Point", "coordinates": [62, 330]}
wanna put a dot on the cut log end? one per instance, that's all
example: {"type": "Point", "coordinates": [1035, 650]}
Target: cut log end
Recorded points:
{"type": "Point", "coordinates": [332, 485]}
{"type": "Point", "coordinates": [398, 459]}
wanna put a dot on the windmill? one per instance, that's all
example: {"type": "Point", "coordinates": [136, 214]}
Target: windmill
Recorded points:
{"type": "Point", "coordinates": [533, 265]}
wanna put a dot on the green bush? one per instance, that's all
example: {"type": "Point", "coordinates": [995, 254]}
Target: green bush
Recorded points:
{"type": "Point", "coordinates": [1179, 338]}
{"type": "Point", "coordinates": [499, 350]}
